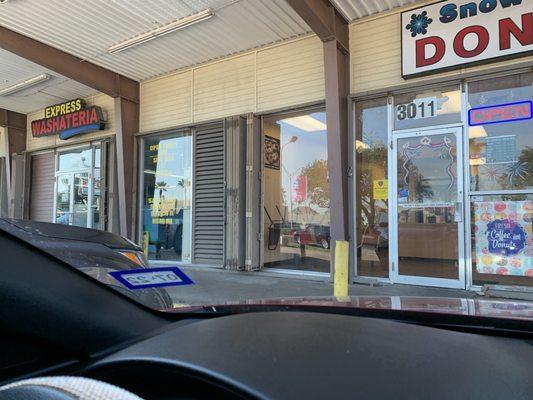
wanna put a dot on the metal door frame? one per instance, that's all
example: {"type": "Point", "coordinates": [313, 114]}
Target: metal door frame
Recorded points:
{"type": "Point", "coordinates": [90, 176]}
{"type": "Point", "coordinates": [394, 274]}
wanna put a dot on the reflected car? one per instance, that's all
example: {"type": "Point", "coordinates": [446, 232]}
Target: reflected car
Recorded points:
{"type": "Point", "coordinates": [313, 234]}
{"type": "Point", "coordinates": [91, 251]}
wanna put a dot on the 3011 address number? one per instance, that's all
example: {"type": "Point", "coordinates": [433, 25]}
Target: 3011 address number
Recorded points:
{"type": "Point", "coordinates": [415, 110]}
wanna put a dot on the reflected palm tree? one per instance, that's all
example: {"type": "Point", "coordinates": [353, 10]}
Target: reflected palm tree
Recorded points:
{"type": "Point", "coordinates": [184, 184]}
{"type": "Point", "coordinates": [162, 187]}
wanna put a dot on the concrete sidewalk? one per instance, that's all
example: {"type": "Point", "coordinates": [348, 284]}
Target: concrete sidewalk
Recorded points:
{"type": "Point", "coordinates": [215, 286]}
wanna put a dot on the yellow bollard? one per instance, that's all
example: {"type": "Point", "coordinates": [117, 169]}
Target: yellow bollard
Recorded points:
{"type": "Point", "coordinates": [146, 242]}
{"type": "Point", "coordinates": [340, 272]}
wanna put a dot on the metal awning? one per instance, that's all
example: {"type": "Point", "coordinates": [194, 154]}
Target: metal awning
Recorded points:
{"type": "Point", "coordinates": [88, 29]}
{"type": "Point", "coordinates": [14, 69]}
{"type": "Point", "coordinates": [356, 9]}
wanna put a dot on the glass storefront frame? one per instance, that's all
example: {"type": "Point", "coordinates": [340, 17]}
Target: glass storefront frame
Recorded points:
{"type": "Point", "coordinates": [302, 111]}
{"type": "Point", "coordinates": [140, 197]}
{"type": "Point", "coordinates": [396, 274]}
{"type": "Point", "coordinates": [466, 198]}
{"type": "Point", "coordinates": [87, 173]}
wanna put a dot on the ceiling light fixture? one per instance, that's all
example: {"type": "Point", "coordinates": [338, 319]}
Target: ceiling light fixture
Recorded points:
{"type": "Point", "coordinates": [17, 87]}
{"type": "Point", "coordinates": [306, 123]}
{"type": "Point", "coordinates": [163, 30]}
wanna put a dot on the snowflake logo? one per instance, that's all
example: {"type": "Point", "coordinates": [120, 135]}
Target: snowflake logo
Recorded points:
{"type": "Point", "coordinates": [419, 24]}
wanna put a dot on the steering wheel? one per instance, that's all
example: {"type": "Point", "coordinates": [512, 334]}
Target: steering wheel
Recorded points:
{"type": "Point", "coordinates": [63, 388]}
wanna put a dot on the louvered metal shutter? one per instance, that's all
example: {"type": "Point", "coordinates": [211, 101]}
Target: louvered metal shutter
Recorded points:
{"type": "Point", "coordinates": [209, 195]}
{"type": "Point", "coordinates": [42, 187]}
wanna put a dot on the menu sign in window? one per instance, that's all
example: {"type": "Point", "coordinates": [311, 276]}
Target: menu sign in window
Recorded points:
{"type": "Point", "coordinates": [500, 149]}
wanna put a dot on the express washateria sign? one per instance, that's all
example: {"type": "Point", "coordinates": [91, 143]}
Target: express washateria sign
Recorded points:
{"type": "Point", "coordinates": [450, 34]}
{"type": "Point", "coordinates": [69, 119]}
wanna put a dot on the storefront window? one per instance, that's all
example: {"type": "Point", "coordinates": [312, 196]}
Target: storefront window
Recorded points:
{"type": "Point", "coordinates": [167, 192]}
{"type": "Point", "coordinates": [427, 108]}
{"type": "Point", "coordinates": [75, 160]}
{"type": "Point", "coordinates": [500, 133]}
{"type": "Point", "coordinates": [371, 199]}
{"type": "Point", "coordinates": [296, 192]}
{"type": "Point", "coordinates": [502, 239]}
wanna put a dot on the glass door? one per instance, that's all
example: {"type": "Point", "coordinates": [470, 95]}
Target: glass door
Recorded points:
{"type": "Point", "coordinates": [80, 203]}
{"type": "Point", "coordinates": [78, 200]}
{"type": "Point", "coordinates": [63, 213]}
{"type": "Point", "coordinates": [72, 199]}
{"type": "Point", "coordinates": [427, 217]}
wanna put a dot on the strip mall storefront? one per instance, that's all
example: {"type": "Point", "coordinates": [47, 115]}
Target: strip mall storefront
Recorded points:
{"type": "Point", "coordinates": [232, 156]}
{"type": "Point", "coordinates": [233, 162]}
{"type": "Point", "coordinates": [444, 161]}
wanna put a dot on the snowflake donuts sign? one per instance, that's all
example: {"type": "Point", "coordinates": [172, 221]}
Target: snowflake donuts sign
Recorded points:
{"type": "Point", "coordinates": [504, 242]}
{"type": "Point", "coordinates": [505, 237]}
{"type": "Point", "coordinates": [449, 34]}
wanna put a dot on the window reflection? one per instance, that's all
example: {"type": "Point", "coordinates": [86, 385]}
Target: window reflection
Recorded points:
{"type": "Point", "coordinates": [296, 202]}
{"type": "Point", "coordinates": [428, 108]}
{"type": "Point", "coordinates": [372, 204]}
{"type": "Point", "coordinates": [167, 196]}
{"type": "Point", "coordinates": [75, 160]}
{"type": "Point", "coordinates": [501, 154]}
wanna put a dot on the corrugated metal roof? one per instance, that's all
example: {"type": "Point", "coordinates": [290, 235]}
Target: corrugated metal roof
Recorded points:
{"type": "Point", "coordinates": [14, 69]}
{"type": "Point", "coordinates": [87, 29]}
{"type": "Point", "coordinates": [355, 9]}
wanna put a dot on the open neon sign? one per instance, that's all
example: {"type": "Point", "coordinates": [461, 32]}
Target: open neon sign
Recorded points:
{"type": "Point", "coordinates": [496, 114]}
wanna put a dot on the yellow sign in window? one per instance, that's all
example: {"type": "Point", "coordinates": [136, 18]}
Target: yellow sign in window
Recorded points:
{"type": "Point", "coordinates": [381, 189]}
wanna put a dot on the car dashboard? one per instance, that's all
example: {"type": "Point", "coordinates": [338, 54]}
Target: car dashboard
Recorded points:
{"type": "Point", "coordinates": [310, 355]}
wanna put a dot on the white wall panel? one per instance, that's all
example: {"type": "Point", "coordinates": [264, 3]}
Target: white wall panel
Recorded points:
{"type": "Point", "coordinates": [262, 80]}
{"type": "Point", "coordinates": [290, 74]}
{"type": "Point", "coordinates": [166, 102]}
{"type": "Point", "coordinates": [224, 88]}
{"type": "Point", "coordinates": [375, 52]}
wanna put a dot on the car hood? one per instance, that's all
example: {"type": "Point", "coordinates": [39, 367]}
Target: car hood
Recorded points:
{"type": "Point", "coordinates": [58, 231]}
{"type": "Point", "coordinates": [478, 307]}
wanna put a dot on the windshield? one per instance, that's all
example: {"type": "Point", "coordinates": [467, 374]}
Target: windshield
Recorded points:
{"type": "Point", "coordinates": [198, 154]}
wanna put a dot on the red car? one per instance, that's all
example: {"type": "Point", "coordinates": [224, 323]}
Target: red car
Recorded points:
{"type": "Point", "coordinates": [313, 234]}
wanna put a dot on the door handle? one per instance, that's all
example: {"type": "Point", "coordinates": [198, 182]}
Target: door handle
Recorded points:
{"type": "Point", "coordinates": [458, 215]}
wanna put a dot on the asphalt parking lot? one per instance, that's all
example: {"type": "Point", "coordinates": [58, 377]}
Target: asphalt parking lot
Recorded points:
{"type": "Point", "coordinates": [215, 286]}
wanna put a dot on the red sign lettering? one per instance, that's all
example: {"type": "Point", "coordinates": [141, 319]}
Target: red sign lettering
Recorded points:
{"type": "Point", "coordinates": [500, 113]}
{"type": "Point", "coordinates": [70, 124]}
{"type": "Point", "coordinates": [439, 46]}
{"type": "Point", "coordinates": [508, 28]}
{"type": "Point", "coordinates": [482, 41]}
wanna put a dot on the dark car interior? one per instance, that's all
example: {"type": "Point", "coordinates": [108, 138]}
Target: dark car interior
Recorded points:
{"type": "Point", "coordinates": [57, 321]}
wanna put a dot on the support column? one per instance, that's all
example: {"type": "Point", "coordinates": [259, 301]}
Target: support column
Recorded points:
{"type": "Point", "coordinates": [332, 29]}
{"type": "Point", "coordinates": [16, 130]}
{"type": "Point", "coordinates": [336, 69]}
{"type": "Point", "coordinates": [14, 143]}
{"type": "Point", "coordinates": [126, 126]}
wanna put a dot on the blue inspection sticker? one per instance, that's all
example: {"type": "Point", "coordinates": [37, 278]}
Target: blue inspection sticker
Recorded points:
{"type": "Point", "coordinates": [151, 277]}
